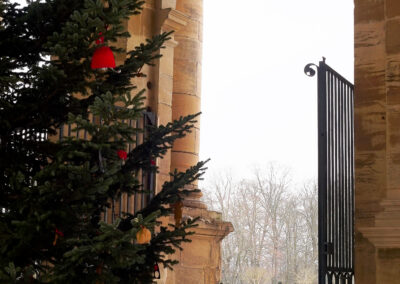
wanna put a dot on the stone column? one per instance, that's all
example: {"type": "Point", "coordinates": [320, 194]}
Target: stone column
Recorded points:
{"type": "Point", "coordinates": [187, 80]}
{"type": "Point", "coordinates": [377, 141]}
{"type": "Point", "coordinates": [168, 19]}
{"type": "Point", "coordinates": [200, 260]}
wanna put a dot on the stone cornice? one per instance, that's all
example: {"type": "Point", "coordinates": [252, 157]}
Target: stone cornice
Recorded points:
{"type": "Point", "coordinates": [172, 20]}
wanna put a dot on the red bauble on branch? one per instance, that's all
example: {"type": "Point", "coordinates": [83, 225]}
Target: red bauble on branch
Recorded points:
{"type": "Point", "coordinates": [103, 57]}
{"type": "Point", "coordinates": [122, 154]}
{"type": "Point", "coordinates": [156, 273]}
{"type": "Point", "coordinates": [57, 234]}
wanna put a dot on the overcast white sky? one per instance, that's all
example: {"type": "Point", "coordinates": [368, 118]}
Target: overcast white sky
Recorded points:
{"type": "Point", "coordinates": [257, 104]}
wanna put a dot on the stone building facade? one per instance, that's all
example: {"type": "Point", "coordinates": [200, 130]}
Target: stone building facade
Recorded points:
{"type": "Point", "coordinates": [377, 141]}
{"type": "Point", "coordinates": [175, 88]}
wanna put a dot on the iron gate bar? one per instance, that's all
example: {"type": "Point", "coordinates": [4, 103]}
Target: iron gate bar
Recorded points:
{"type": "Point", "coordinates": [335, 175]}
{"type": "Point", "coordinates": [322, 171]}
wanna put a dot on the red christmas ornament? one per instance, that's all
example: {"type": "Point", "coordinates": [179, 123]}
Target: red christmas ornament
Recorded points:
{"type": "Point", "coordinates": [61, 234]}
{"type": "Point", "coordinates": [100, 40]}
{"type": "Point", "coordinates": [57, 235]}
{"type": "Point", "coordinates": [156, 273]}
{"type": "Point", "coordinates": [122, 154]}
{"type": "Point", "coordinates": [103, 57]}
{"type": "Point", "coordinates": [153, 162]}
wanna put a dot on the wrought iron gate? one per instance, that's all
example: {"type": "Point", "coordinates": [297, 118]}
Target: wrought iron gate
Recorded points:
{"type": "Point", "coordinates": [335, 175]}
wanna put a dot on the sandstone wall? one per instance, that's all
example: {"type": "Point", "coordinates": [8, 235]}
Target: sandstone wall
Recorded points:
{"type": "Point", "coordinates": [377, 141]}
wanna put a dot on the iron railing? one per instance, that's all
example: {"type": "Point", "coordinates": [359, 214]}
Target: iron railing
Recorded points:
{"type": "Point", "coordinates": [335, 175]}
{"type": "Point", "coordinates": [125, 203]}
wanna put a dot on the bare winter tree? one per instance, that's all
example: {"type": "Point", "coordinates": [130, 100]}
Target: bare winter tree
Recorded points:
{"type": "Point", "coordinates": [275, 237]}
{"type": "Point", "coordinates": [309, 212]}
{"type": "Point", "coordinates": [272, 184]}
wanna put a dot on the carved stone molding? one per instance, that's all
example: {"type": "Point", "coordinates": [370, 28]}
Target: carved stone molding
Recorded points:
{"type": "Point", "coordinates": [171, 20]}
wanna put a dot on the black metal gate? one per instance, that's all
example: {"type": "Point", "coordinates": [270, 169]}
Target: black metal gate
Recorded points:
{"type": "Point", "coordinates": [335, 175]}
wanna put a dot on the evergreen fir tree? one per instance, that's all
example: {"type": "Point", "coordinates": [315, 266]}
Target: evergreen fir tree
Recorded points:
{"type": "Point", "coordinates": [53, 192]}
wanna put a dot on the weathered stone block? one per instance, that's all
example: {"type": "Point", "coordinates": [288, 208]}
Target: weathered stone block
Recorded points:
{"type": "Point", "coordinates": [190, 7]}
{"type": "Point", "coordinates": [365, 213]}
{"type": "Point", "coordinates": [185, 73]}
{"type": "Point", "coordinates": [164, 113]}
{"type": "Point", "coordinates": [182, 161]}
{"type": "Point", "coordinates": [197, 253]}
{"type": "Point", "coordinates": [199, 76]}
{"type": "Point", "coordinates": [192, 276]}
{"type": "Point", "coordinates": [210, 275]}
{"type": "Point", "coordinates": [393, 70]}
{"type": "Point", "coordinates": [186, 144]}
{"type": "Point", "coordinates": [370, 47]}
{"type": "Point", "coordinates": [165, 4]}
{"type": "Point", "coordinates": [392, 36]}
{"type": "Point", "coordinates": [165, 89]}
{"type": "Point", "coordinates": [167, 61]}
{"type": "Point", "coordinates": [393, 96]}
{"type": "Point", "coordinates": [370, 128]}
{"type": "Point", "coordinates": [393, 124]}
{"type": "Point", "coordinates": [370, 81]}
{"type": "Point", "coordinates": [161, 179]}
{"type": "Point", "coordinates": [370, 177]}
{"type": "Point", "coordinates": [164, 164]}
{"type": "Point", "coordinates": [184, 104]}
{"type": "Point", "coordinates": [365, 261]}
{"type": "Point", "coordinates": [392, 8]}
{"type": "Point", "coordinates": [393, 173]}
{"type": "Point", "coordinates": [197, 140]}
{"type": "Point", "coordinates": [393, 83]}
{"type": "Point", "coordinates": [189, 49]}
{"type": "Point", "coordinates": [147, 22]}
{"type": "Point", "coordinates": [388, 266]}
{"type": "Point", "coordinates": [368, 10]}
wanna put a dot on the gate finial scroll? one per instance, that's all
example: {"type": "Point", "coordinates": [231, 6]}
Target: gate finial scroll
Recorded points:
{"type": "Point", "coordinates": [309, 71]}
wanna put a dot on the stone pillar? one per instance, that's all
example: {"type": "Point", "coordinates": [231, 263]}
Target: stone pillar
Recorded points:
{"type": "Point", "coordinates": [187, 80]}
{"type": "Point", "coordinates": [168, 19]}
{"type": "Point", "coordinates": [377, 141]}
{"type": "Point", "coordinates": [178, 88]}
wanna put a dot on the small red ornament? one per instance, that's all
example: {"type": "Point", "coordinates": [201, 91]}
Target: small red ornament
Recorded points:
{"type": "Point", "coordinates": [153, 162]}
{"type": "Point", "coordinates": [103, 57]}
{"type": "Point", "coordinates": [100, 40]}
{"type": "Point", "coordinates": [57, 235]}
{"type": "Point", "coordinates": [122, 154]}
{"type": "Point", "coordinates": [156, 273]}
{"type": "Point", "coordinates": [61, 234]}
